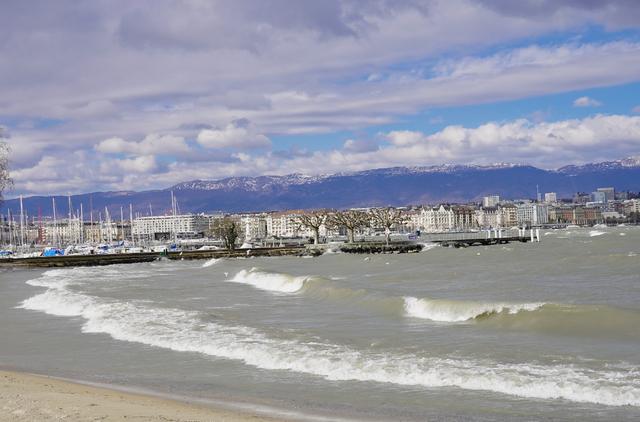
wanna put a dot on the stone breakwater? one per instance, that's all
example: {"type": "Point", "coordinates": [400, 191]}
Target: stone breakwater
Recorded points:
{"type": "Point", "coordinates": [130, 258]}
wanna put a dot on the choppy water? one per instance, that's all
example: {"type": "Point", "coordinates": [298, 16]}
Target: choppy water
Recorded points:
{"type": "Point", "coordinates": [520, 331]}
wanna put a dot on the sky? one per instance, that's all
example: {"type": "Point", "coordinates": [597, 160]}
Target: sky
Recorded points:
{"type": "Point", "coordinates": [120, 95]}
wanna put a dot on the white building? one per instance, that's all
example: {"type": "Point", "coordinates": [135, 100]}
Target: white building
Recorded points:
{"type": "Point", "coordinates": [63, 232]}
{"type": "Point", "coordinates": [284, 224]}
{"type": "Point", "coordinates": [105, 231]}
{"type": "Point", "coordinates": [434, 220]}
{"type": "Point", "coordinates": [488, 217]}
{"type": "Point", "coordinates": [169, 226]}
{"type": "Point", "coordinates": [255, 226]}
{"type": "Point", "coordinates": [550, 198]}
{"type": "Point", "coordinates": [532, 214]}
{"type": "Point", "coordinates": [490, 201]}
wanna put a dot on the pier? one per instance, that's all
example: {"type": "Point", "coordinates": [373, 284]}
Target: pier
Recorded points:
{"type": "Point", "coordinates": [485, 237]}
{"type": "Point", "coordinates": [130, 258]}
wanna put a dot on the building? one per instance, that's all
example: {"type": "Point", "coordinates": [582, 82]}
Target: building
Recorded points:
{"type": "Point", "coordinates": [622, 196]}
{"type": "Point", "coordinates": [103, 232]}
{"type": "Point", "coordinates": [464, 218]}
{"type": "Point", "coordinates": [12, 234]}
{"type": "Point", "coordinates": [598, 197]}
{"type": "Point", "coordinates": [284, 225]}
{"type": "Point", "coordinates": [164, 227]}
{"type": "Point", "coordinates": [488, 217]}
{"type": "Point", "coordinates": [435, 220]}
{"type": "Point", "coordinates": [581, 198]}
{"type": "Point", "coordinates": [593, 215]}
{"type": "Point", "coordinates": [632, 206]}
{"type": "Point", "coordinates": [550, 198]}
{"type": "Point", "coordinates": [532, 214]}
{"type": "Point", "coordinates": [255, 226]}
{"type": "Point", "coordinates": [63, 232]}
{"type": "Point", "coordinates": [508, 215]}
{"type": "Point", "coordinates": [609, 194]}
{"type": "Point", "coordinates": [490, 201]}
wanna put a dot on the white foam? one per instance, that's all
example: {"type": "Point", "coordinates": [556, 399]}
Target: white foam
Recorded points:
{"type": "Point", "coordinates": [210, 262]}
{"type": "Point", "coordinates": [58, 302]}
{"type": "Point", "coordinates": [186, 331]}
{"type": "Point", "coordinates": [594, 233]}
{"type": "Point", "coordinates": [427, 246]}
{"type": "Point", "coordinates": [457, 311]}
{"type": "Point", "coordinates": [274, 282]}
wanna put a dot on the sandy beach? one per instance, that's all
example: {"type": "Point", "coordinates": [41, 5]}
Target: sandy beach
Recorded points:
{"type": "Point", "coordinates": [26, 397]}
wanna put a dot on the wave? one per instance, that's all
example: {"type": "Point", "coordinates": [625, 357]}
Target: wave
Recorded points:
{"type": "Point", "coordinates": [590, 321]}
{"type": "Point", "coordinates": [270, 281]}
{"type": "Point", "coordinates": [595, 233]}
{"type": "Point", "coordinates": [457, 311]}
{"type": "Point", "coordinates": [210, 262]}
{"type": "Point", "coordinates": [190, 331]}
{"type": "Point", "coordinates": [427, 246]}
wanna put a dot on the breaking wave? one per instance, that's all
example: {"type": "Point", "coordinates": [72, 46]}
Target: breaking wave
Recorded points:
{"type": "Point", "coordinates": [210, 262]}
{"type": "Point", "coordinates": [274, 282]}
{"type": "Point", "coordinates": [457, 311]}
{"type": "Point", "coordinates": [592, 321]}
{"type": "Point", "coordinates": [191, 331]}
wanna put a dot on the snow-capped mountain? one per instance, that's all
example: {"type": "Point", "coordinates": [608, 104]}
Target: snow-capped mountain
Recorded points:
{"type": "Point", "coordinates": [626, 163]}
{"type": "Point", "coordinates": [377, 187]}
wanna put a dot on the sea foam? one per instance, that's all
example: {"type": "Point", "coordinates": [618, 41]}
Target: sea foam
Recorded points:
{"type": "Point", "coordinates": [210, 262]}
{"type": "Point", "coordinates": [189, 331]}
{"type": "Point", "coordinates": [457, 311]}
{"type": "Point", "coordinates": [274, 282]}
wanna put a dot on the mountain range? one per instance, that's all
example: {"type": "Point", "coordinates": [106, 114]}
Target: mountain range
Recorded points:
{"type": "Point", "coordinates": [379, 187]}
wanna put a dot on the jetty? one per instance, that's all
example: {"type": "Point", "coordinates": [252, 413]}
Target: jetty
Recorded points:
{"type": "Point", "coordinates": [130, 258]}
{"type": "Point", "coordinates": [379, 247]}
{"type": "Point", "coordinates": [483, 238]}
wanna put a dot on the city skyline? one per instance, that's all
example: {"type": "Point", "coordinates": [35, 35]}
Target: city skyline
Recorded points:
{"type": "Point", "coordinates": [105, 97]}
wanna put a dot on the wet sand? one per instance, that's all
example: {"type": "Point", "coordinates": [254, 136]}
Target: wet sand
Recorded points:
{"type": "Point", "coordinates": [27, 397]}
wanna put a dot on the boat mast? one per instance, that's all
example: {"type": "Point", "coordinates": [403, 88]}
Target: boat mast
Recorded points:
{"type": "Point", "coordinates": [81, 224]}
{"type": "Point", "coordinates": [121, 223]}
{"type": "Point", "coordinates": [55, 223]}
{"type": "Point", "coordinates": [10, 231]}
{"type": "Point", "coordinates": [21, 223]}
{"type": "Point", "coordinates": [173, 219]}
{"type": "Point", "coordinates": [133, 239]}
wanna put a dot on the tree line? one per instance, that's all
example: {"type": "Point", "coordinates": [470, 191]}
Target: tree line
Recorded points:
{"type": "Point", "coordinates": [229, 229]}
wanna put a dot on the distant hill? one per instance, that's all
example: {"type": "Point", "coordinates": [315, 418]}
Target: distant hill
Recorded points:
{"type": "Point", "coordinates": [388, 186]}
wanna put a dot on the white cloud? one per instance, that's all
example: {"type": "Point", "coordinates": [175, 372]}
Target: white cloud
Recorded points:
{"type": "Point", "coordinates": [291, 68]}
{"type": "Point", "coordinates": [586, 102]}
{"type": "Point", "coordinates": [544, 144]}
{"type": "Point", "coordinates": [143, 164]}
{"type": "Point", "coordinates": [239, 134]}
{"type": "Point", "coordinates": [404, 138]}
{"type": "Point", "coordinates": [152, 144]}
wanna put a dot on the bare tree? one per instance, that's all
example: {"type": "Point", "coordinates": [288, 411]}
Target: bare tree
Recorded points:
{"type": "Point", "coordinates": [386, 218]}
{"type": "Point", "coordinates": [228, 230]}
{"type": "Point", "coordinates": [313, 221]}
{"type": "Point", "coordinates": [5, 179]}
{"type": "Point", "coordinates": [351, 220]}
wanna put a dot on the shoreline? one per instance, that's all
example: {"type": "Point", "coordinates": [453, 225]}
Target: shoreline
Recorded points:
{"type": "Point", "coordinates": [26, 397]}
